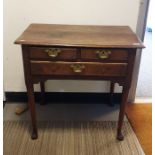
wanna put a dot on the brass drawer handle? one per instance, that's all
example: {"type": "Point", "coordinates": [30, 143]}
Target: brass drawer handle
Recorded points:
{"type": "Point", "coordinates": [53, 52]}
{"type": "Point", "coordinates": [103, 54]}
{"type": "Point", "coordinates": [77, 68]}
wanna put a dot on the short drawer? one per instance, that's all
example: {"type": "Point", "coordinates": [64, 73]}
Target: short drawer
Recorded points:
{"type": "Point", "coordinates": [78, 68]}
{"type": "Point", "coordinates": [104, 54]}
{"type": "Point", "coordinates": [53, 53]}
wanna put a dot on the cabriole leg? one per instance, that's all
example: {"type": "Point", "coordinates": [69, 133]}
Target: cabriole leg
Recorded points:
{"type": "Point", "coordinates": [122, 113]}
{"type": "Point", "coordinates": [112, 87]}
{"type": "Point", "coordinates": [31, 103]}
{"type": "Point", "coordinates": [42, 88]}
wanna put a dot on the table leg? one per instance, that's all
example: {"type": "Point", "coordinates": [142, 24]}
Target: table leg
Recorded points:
{"type": "Point", "coordinates": [122, 113]}
{"type": "Point", "coordinates": [31, 103]}
{"type": "Point", "coordinates": [42, 88]}
{"type": "Point", "coordinates": [112, 87]}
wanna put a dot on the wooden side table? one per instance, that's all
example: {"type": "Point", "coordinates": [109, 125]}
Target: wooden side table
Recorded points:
{"type": "Point", "coordinates": [78, 52]}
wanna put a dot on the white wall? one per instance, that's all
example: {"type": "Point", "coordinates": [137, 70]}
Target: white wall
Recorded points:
{"type": "Point", "coordinates": [18, 14]}
{"type": "Point", "coordinates": [144, 85]}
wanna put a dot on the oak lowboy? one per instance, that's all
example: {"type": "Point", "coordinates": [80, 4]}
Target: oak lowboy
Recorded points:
{"type": "Point", "coordinates": [78, 52]}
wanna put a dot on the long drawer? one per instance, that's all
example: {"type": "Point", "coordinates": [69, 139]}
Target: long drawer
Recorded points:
{"type": "Point", "coordinates": [53, 53]}
{"type": "Point", "coordinates": [78, 68]}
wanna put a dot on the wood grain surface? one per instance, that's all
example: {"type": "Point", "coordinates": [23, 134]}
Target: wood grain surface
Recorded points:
{"type": "Point", "coordinates": [80, 35]}
{"type": "Point", "coordinates": [140, 117]}
{"type": "Point", "coordinates": [40, 38]}
{"type": "Point", "coordinates": [91, 69]}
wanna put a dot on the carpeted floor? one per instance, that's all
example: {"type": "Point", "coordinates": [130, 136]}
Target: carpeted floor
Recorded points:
{"type": "Point", "coordinates": [69, 138]}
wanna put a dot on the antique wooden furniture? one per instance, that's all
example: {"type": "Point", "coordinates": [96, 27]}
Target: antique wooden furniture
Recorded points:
{"type": "Point", "coordinates": [78, 52]}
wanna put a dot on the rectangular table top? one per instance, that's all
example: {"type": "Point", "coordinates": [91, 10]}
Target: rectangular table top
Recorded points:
{"type": "Point", "coordinates": [80, 36]}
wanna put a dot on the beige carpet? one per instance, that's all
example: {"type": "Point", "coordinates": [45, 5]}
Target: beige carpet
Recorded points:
{"type": "Point", "coordinates": [69, 138]}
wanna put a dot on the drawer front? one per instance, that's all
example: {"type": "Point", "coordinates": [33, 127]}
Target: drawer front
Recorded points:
{"type": "Point", "coordinates": [77, 68]}
{"type": "Point", "coordinates": [104, 54]}
{"type": "Point", "coordinates": [53, 53]}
